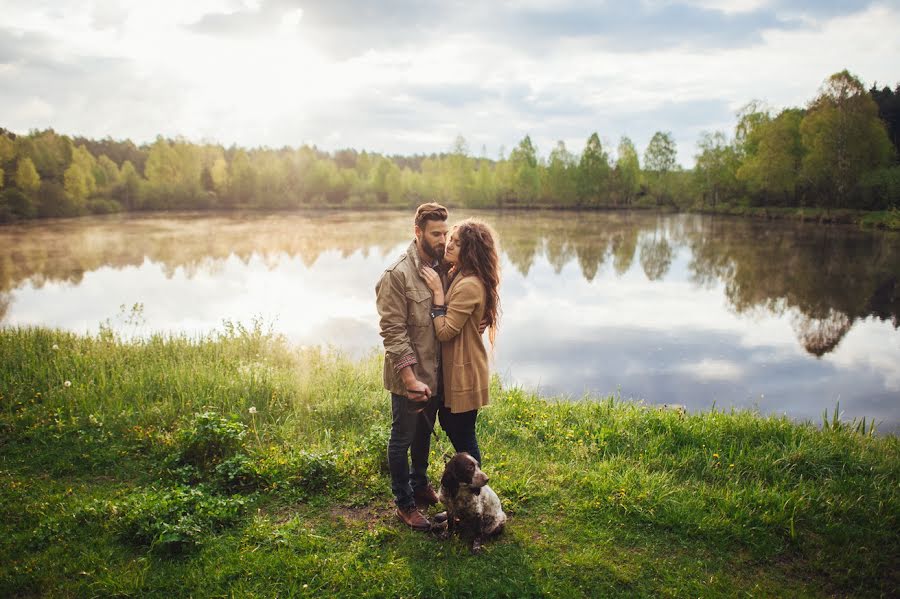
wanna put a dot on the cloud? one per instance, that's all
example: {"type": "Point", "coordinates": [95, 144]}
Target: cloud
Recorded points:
{"type": "Point", "coordinates": [408, 77]}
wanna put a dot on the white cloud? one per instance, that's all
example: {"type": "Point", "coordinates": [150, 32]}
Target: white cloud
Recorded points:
{"type": "Point", "coordinates": [267, 73]}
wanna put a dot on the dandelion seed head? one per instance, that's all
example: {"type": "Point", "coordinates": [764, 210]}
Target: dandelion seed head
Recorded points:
{"type": "Point", "coordinates": [55, 347]}
{"type": "Point", "coordinates": [67, 384]}
{"type": "Point", "coordinates": [253, 409]}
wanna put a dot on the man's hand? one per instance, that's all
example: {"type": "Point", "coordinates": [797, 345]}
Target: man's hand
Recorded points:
{"type": "Point", "coordinates": [418, 391]}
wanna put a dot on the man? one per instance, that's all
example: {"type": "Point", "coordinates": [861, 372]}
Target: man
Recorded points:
{"type": "Point", "coordinates": [412, 363]}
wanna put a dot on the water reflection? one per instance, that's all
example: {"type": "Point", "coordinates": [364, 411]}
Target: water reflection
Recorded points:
{"type": "Point", "coordinates": [681, 308]}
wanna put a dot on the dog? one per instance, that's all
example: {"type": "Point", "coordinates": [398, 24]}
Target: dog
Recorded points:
{"type": "Point", "coordinates": [473, 509]}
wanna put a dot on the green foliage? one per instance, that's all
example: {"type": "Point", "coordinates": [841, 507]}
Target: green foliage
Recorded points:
{"type": "Point", "coordinates": [660, 161]}
{"type": "Point", "coordinates": [716, 169]}
{"type": "Point", "coordinates": [880, 189]}
{"type": "Point", "coordinates": [831, 154]}
{"type": "Point", "coordinates": [628, 170]}
{"type": "Point", "coordinates": [54, 201]}
{"type": "Point", "coordinates": [174, 519]}
{"type": "Point", "coordinates": [17, 203]}
{"type": "Point", "coordinates": [27, 178]}
{"type": "Point", "coordinates": [843, 138]}
{"type": "Point", "coordinates": [208, 440]}
{"type": "Point", "coordinates": [593, 173]}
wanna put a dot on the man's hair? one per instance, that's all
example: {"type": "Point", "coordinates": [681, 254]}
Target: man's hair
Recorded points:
{"type": "Point", "coordinates": [430, 211]}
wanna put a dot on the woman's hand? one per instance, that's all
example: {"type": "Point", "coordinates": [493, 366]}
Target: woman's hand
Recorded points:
{"type": "Point", "coordinates": [433, 280]}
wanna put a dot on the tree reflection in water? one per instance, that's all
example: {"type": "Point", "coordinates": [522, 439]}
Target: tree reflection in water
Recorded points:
{"type": "Point", "coordinates": [825, 277]}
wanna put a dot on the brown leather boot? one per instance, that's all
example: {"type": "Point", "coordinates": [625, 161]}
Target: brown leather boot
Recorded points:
{"type": "Point", "coordinates": [426, 496]}
{"type": "Point", "coordinates": [413, 518]}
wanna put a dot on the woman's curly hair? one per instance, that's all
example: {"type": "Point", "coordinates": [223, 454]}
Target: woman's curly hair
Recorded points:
{"type": "Point", "coordinates": [479, 255]}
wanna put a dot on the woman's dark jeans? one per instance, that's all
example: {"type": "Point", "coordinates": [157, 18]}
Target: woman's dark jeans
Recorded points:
{"type": "Point", "coordinates": [461, 430]}
{"type": "Point", "coordinates": [410, 435]}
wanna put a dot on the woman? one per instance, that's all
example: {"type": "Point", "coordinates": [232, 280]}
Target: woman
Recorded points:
{"type": "Point", "coordinates": [471, 298]}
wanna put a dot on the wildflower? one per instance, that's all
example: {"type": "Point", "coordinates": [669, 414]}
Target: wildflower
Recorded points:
{"type": "Point", "coordinates": [67, 384]}
{"type": "Point", "coordinates": [731, 465]}
{"type": "Point", "coordinates": [55, 347]}
{"type": "Point", "coordinates": [715, 455]}
{"type": "Point", "coordinates": [253, 409]}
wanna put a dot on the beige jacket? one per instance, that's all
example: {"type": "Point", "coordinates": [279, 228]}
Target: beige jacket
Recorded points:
{"type": "Point", "coordinates": [465, 360]}
{"type": "Point", "coordinates": [404, 305]}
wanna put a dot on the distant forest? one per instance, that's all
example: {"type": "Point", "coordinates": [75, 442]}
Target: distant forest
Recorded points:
{"type": "Point", "coordinates": [840, 151]}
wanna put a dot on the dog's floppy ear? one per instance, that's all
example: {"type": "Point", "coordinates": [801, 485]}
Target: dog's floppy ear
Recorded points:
{"type": "Point", "coordinates": [449, 480]}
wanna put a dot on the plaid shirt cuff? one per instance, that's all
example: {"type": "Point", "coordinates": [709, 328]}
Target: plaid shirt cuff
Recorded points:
{"type": "Point", "coordinates": [405, 361]}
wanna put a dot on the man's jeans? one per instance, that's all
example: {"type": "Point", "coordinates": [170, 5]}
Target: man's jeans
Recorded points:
{"type": "Point", "coordinates": [410, 432]}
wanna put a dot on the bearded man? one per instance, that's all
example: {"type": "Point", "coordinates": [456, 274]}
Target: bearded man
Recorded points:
{"type": "Point", "coordinates": [412, 370]}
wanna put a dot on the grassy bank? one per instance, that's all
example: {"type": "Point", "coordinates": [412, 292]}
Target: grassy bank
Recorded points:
{"type": "Point", "coordinates": [236, 465]}
{"type": "Point", "coordinates": [874, 219]}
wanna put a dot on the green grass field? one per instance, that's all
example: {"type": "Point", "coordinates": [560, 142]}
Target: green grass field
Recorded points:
{"type": "Point", "coordinates": [236, 465]}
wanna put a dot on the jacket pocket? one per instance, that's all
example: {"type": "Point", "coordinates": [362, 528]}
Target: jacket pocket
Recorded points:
{"type": "Point", "coordinates": [418, 307]}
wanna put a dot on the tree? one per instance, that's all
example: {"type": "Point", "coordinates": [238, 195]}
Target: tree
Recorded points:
{"type": "Point", "coordinates": [27, 178]}
{"type": "Point", "coordinates": [772, 168]}
{"type": "Point", "coordinates": [751, 117]}
{"type": "Point", "coordinates": [889, 110]}
{"type": "Point", "coordinates": [17, 203]}
{"type": "Point", "coordinates": [51, 153]}
{"type": "Point", "coordinates": [76, 183]}
{"type": "Point", "coordinates": [628, 170]}
{"type": "Point", "coordinates": [560, 182]}
{"type": "Point", "coordinates": [593, 172]}
{"type": "Point", "coordinates": [106, 173]}
{"type": "Point", "coordinates": [526, 178]}
{"type": "Point", "coordinates": [128, 189]}
{"type": "Point", "coordinates": [660, 161]}
{"type": "Point", "coordinates": [458, 172]}
{"type": "Point", "coordinates": [716, 166]}
{"type": "Point", "coordinates": [219, 174]}
{"type": "Point", "coordinates": [843, 138]}
{"type": "Point", "coordinates": [7, 149]}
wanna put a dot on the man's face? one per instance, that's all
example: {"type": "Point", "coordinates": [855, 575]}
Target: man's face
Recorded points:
{"type": "Point", "coordinates": [433, 238]}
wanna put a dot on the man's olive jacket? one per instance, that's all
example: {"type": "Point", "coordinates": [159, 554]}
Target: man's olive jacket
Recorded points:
{"type": "Point", "coordinates": [404, 306]}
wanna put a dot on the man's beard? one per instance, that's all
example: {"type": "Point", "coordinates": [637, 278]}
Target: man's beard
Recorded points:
{"type": "Point", "coordinates": [436, 254]}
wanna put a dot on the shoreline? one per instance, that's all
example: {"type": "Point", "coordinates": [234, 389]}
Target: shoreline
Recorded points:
{"type": "Point", "coordinates": [888, 220]}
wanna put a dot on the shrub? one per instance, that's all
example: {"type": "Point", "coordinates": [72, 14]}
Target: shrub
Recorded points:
{"type": "Point", "coordinates": [208, 441]}
{"type": "Point", "coordinates": [238, 473]}
{"type": "Point", "coordinates": [880, 189]}
{"type": "Point", "coordinates": [103, 206]}
{"type": "Point", "coordinates": [305, 473]}
{"type": "Point", "coordinates": [175, 519]}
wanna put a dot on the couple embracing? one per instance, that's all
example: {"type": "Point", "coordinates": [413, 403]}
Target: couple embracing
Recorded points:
{"type": "Point", "coordinates": [434, 303]}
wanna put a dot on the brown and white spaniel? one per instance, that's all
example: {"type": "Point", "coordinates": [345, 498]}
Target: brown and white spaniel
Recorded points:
{"type": "Point", "coordinates": [473, 509]}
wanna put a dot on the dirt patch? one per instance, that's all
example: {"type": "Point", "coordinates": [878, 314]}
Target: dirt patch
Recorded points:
{"type": "Point", "coordinates": [370, 515]}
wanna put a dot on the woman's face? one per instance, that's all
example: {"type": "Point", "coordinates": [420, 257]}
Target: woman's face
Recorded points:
{"type": "Point", "coordinates": [451, 250]}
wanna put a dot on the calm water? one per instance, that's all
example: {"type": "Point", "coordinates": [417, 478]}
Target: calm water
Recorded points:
{"type": "Point", "coordinates": [680, 309]}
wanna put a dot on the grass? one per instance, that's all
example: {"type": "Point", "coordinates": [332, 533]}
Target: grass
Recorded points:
{"type": "Point", "coordinates": [150, 475]}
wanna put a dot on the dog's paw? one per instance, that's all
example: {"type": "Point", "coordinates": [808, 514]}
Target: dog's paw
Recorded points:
{"type": "Point", "coordinates": [440, 528]}
{"type": "Point", "coordinates": [476, 547]}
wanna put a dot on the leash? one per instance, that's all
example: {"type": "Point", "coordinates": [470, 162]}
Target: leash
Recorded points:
{"type": "Point", "coordinates": [430, 423]}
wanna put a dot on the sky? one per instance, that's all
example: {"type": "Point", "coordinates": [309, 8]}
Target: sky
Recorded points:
{"type": "Point", "coordinates": [409, 76]}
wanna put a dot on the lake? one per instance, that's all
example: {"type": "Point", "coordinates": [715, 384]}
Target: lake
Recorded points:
{"type": "Point", "coordinates": [688, 309]}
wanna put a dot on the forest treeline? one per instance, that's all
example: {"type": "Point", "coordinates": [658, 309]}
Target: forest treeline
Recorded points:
{"type": "Point", "coordinates": [840, 151]}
